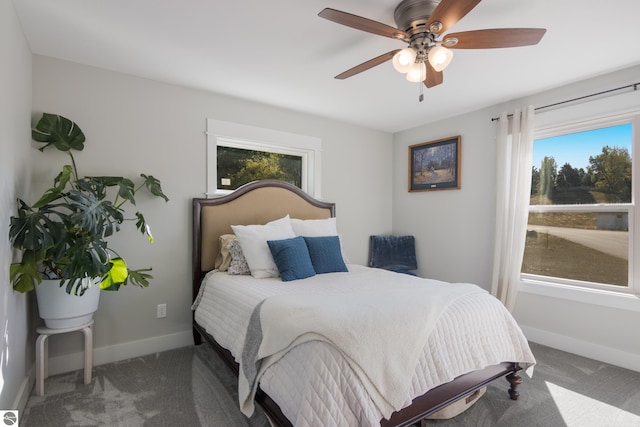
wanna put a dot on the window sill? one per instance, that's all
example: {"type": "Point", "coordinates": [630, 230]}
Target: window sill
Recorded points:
{"type": "Point", "coordinates": [618, 300]}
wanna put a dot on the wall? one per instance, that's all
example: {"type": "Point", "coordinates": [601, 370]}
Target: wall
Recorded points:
{"type": "Point", "coordinates": [16, 351]}
{"type": "Point", "coordinates": [135, 125]}
{"type": "Point", "coordinates": [452, 227]}
{"type": "Point", "coordinates": [454, 231]}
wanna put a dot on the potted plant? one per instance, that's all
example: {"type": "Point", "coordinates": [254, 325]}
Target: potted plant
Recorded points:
{"type": "Point", "coordinates": [63, 236]}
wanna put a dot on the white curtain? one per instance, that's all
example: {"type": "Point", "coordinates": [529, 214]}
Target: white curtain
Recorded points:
{"type": "Point", "coordinates": [513, 184]}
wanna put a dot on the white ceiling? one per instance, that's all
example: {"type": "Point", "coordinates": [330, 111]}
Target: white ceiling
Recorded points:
{"type": "Point", "coordinates": [280, 52]}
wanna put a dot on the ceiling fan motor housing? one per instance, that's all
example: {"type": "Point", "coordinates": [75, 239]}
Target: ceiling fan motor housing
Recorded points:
{"type": "Point", "coordinates": [411, 15]}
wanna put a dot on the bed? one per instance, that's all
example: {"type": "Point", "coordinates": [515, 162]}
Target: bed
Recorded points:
{"type": "Point", "coordinates": [332, 388]}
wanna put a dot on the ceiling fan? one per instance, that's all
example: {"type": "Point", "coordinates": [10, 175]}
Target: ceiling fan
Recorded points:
{"type": "Point", "coordinates": [421, 24]}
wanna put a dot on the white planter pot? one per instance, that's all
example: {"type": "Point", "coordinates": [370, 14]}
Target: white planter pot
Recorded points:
{"type": "Point", "coordinates": [59, 310]}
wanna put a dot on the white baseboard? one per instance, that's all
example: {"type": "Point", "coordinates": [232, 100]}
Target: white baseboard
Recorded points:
{"type": "Point", "coordinates": [118, 352]}
{"type": "Point", "coordinates": [583, 348]}
{"type": "Point", "coordinates": [23, 393]}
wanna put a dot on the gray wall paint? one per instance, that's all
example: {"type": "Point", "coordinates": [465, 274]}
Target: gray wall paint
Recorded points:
{"type": "Point", "coordinates": [135, 125]}
{"type": "Point", "coordinates": [454, 230]}
{"type": "Point", "coordinates": [16, 320]}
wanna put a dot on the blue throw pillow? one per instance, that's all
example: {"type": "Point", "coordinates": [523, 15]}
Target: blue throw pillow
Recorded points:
{"type": "Point", "coordinates": [325, 253]}
{"type": "Point", "coordinates": [292, 258]}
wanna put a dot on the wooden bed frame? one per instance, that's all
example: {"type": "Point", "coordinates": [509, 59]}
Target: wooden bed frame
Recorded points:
{"type": "Point", "coordinates": [262, 201]}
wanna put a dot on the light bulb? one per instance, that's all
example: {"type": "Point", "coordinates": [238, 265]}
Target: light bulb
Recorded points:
{"type": "Point", "coordinates": [417, 73]}
{"type": "Point", "coordinates": [440, 57]}
{"type": "Point", "coordinates": [402, 60]}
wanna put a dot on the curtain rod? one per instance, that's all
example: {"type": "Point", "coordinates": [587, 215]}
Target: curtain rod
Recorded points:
{"type": "Point", "coordinates": [633, 85]}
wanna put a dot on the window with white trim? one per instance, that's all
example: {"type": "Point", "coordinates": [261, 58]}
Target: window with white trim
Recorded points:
{"type": "Point", "coordinates": [238, 154]}
{"type": "Point", "coordinates": [582, 211]}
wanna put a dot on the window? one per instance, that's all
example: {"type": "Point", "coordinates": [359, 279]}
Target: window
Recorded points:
{"type": "Point", "coordinates": [581, 214]}
{"type": "Point", "coordinates": [238, 166]}
{"type": "Point", "coordinates": [238, 154]}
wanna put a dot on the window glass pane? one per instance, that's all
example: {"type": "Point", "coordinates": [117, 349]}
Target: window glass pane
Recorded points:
{"type": "Point", "coordinates": [583, 168]}
{"type": "Point", "coordinates": [591, 247]}
{"type": "Point", "coordinates": [584, 243]}
{"type": "Point", "coordinates": [237, 166]}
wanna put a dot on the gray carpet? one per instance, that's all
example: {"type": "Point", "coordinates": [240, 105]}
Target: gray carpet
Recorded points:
{"type": "Point", "coordinates": [192, 387]}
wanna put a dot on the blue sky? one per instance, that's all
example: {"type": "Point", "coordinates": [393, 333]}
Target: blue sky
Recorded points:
{"type": "Point", "coordinates": [576, 148]}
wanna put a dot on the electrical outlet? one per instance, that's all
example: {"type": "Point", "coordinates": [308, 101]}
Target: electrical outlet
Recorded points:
{"type": "Point", "coordinates": [162, 310]}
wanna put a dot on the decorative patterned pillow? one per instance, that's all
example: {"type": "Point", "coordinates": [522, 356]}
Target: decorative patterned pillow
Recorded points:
{"type": "Point", "coordinates": [238, 264]}
{"type": "Point", "coordinates": [292, 258]}
{"type": "Point", "coordinates": [325, 254]}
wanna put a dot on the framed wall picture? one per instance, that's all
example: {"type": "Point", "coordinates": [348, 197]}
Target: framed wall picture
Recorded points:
{"type": "Point", "coordinates": [435, 165]}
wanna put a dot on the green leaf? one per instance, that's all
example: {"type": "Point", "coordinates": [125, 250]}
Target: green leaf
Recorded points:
{"type": "Point", "coordinates": [63, 177]}
{"type": "Point", "coordinates": [59, 131]}
{"type": "Point", "coordinates": [56, 192]}
{"type": "Point", "coordinates": [141, 224]}
{"type": "Point", "coordinates": [24, 275]}
{"type": "Point", "coordinates": [139, 277]}
{"type": "Point", "coordinates": [126, 188]}
{"type": "Point", "coordinates": [153, 185]}
{"type": "Point", "coordinates": [94, 215]}
{"type": "Point", "coordinates": [106, 285]}
{"type": "Point", "coordinates": [87, 256]}
{"type": "Point", "coordinates": [49, 196]}
{"type": "Point", "coordinates": [116, 276]}
{"type": "Point", "coordinates": [72, 285]}
{"type": "Point", "coordinates": [33, 230]}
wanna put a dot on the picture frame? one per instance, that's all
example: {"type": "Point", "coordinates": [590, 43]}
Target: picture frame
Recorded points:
{"type": "Point", "coordinates": [435, 165]}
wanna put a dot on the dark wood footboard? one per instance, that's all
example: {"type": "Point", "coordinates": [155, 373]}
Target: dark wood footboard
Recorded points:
{"type": "Point", "coordinates": [445, 394]}
{"type": "Point", "coordinates": [421, 407]}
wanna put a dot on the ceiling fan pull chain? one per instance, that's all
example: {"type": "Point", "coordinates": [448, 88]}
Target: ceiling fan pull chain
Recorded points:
{"type": "Point", "coordinates": [422, 78]}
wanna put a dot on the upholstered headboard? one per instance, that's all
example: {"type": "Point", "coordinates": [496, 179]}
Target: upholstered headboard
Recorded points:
{"type": "Point", "coordinates": [255, 203]}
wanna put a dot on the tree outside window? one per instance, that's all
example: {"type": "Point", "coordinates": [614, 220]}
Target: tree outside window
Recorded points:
{"type": "Point", "coordinates": [237, 166]}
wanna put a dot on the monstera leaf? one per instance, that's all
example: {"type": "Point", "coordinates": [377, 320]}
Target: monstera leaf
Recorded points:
{"type": "Point", "coordinates": [116, 275]}
{"type": "Point", "coordinates": [59, 131]}
{"type": "Point", "coordinates": [153, 185]}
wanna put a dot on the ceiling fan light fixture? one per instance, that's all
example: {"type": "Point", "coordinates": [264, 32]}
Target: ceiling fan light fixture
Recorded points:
{"type": "Point", "coordinates": [417, 73]}
{"type": "Point", "coordinates": [403, 60]}
{"type": "Point", "coordinates": [440, 57]}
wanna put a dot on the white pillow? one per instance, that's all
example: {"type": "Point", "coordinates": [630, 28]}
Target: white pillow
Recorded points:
{"type": "Point", "coordinates": [253, 240]}
{"type": "Point", "coordinates": [318, 228]}
{"type": "Point", "coordinates": [314, 227]}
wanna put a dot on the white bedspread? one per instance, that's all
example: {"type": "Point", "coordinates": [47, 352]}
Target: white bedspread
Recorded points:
{"type": "Point", "coordinates": [314, 384]}
{"type": "Point", "coordinates": [372, 313]}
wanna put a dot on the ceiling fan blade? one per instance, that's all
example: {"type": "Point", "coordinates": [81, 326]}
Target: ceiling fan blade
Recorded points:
{"type": "Point", "coordinates": [495, 38]}
{"type": "Point", "coordinates": [448, 12]}
{"type": "Point", "coordinates": [364, 24]}
{"type": "Point", "coordinates": [366, 65]}
{"type": "Point", "coordinates": [433, 78]}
